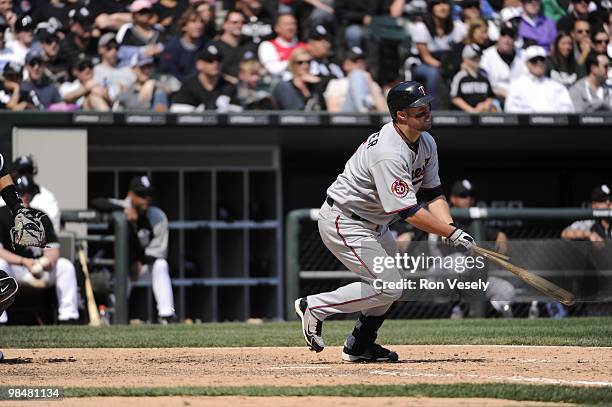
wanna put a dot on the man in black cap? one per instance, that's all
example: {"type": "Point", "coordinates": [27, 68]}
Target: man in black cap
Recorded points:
{"type": "Point", "coordinates": [43, 92]}
{"type": "Point", "coordinates": [24, 37]}
{"type": "Point", "coordinates": [57, 68]}
{"type": "Point", "coordinates": [11, 96]}
{"type": "Point", "coordinates": [590, 229]}
{"type": "Point", "coordinates": [357, 91]}
{"type": "Point", "coordinates": [79, 43]}
{"type": "Point", "coordinates": [148, 242]}
{"type": "Point", "coordinates": [319, 46]}
{"type": "Point", "coordinates": [207, 90]}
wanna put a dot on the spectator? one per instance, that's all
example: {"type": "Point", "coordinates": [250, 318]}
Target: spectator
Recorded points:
{"type": "Point", "coordinates": [110, 15]}
{"type": "Point", "coordinates": [300, 92]}
{"type": "Point", "coordinates": [536, 27]}
{"type": "Point", "coordinates": [84, 91]}
{"type": "Point", "coordinates": [355, 17]}
{"type": "Point", "coordinates": [141, 36]}
{"type": "Point", "coordinates": [320, 12]}
{"type": "Point", "coordinates": [181, 52]}
{"type": "Point", "coordinates": [56, 67]}
{"type": "Point", "coordinates": [470, 90]}
{"type": "Point", "coordinates": [11, 97]}
{"type": "Point", "coordinates": [274, 54]}
{"type": "Point", "coordinates": [168, 12]}
{"type": "Point", "coordinates": [207, 90]}
{"type": "Point", "coordinates": [24, 38]}
{"type": "Point", "coordinates": [319, 47]}
{"type": "Point", "coordinates": [232, 45]}
{"type": "Point", "coordinates": [356, 92]}
{"type": "Point", "coordinates": [39, 267]}
{"type": "Point", "coordinates": [259, 20]}
{"type": "Point", "coordinates": [250, 93]}
{"type": "Point", "coordinates": [145, 93]}
{"type": "Point", "coordinates": [590, 93]}
{"type": "Point", "coordinates": [107, 73]}
{"type": "Point", "coordinates": [433, 41]}
{"type": "Point", "coordinates": [601, 41]}
{"type": "Point", "coordinates": [78, 43]}
{"type": "Point", "coordinates": [586, 229]}
{"type": "Point", "coordinates": [7, 54]}
{"type": "Point", "coordinates": [42, 92]}
{"type": "Point", "coordinates": [579, 10]}
{"type": "Point", "coordinates": [470, 12]}
{"type": "Point", "coordinates": [6, 11]}
{"type": "Point", "coordinates": [582, 40]}
{"type": "Point", "coordinates": [477, 34]}
{"type": "Point", "coordinates": [534, 91]}
{"type": "Point", "coordinates": [503, 63]}
{"type": "Point", "coordinates": [561, 64]}
{"type": "Point", "coordinates": [148, 243]}
{"type": "Point", "coordinates": [207, 14]}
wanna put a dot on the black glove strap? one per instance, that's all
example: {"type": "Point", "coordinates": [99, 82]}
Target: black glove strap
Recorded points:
{"type": "Point", "coordinates": [10, 196]}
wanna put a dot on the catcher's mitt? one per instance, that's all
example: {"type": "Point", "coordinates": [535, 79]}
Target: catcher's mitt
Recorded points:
{"type": "Point", "coordinates": [30, 228]}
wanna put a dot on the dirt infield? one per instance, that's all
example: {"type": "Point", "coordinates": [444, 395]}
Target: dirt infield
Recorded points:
{"type": "Point", "coordinates": [280, 402]}
{"type": "Point", "coordinates": [169, 367]}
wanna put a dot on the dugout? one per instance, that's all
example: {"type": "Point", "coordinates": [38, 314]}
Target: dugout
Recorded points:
{"type": "Point", "coordinates": [228, 181]}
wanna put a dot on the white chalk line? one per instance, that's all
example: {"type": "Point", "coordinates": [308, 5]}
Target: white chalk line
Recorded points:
{"type": "Point", "coordinates": [298, 367]}
{"type": "Point", "coordinates": [510, 378]}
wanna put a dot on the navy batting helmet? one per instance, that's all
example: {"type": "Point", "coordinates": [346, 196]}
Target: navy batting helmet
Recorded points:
{"type": "Point", "coordinates": [405, 95]}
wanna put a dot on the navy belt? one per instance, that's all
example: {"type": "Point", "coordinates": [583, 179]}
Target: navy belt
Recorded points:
{"type": "Point", "coordinates": [331, 202]}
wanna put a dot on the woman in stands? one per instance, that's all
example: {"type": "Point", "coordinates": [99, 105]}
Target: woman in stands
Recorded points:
{"type": "Point", "coordinates": [301, 91]}
{"type": "Point", "coordinates": [561, 64]}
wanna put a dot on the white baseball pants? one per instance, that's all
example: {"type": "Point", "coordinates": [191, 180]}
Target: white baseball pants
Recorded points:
{"type": "Point", "coordinates": [159, 275]}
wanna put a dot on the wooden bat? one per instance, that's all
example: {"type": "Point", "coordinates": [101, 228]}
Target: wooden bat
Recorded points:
{"type": "Point", "coordinates": [496, 254]}
{"type": "Point", "coordinates": [92, 310]}
{"type": "Point", "coordinates": [537, 282]}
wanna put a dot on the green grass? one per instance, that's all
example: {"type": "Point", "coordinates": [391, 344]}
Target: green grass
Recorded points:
{"type": "Point", "coordinates": [550, 393]}
{"type": "Point", "coordinates": [565, 332]}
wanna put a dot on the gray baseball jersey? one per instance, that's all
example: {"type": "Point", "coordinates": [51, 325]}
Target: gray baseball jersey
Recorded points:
{"type": "Point", "coordinates": [383, 176]}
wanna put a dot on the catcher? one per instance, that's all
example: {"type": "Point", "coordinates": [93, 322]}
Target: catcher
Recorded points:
{"type": "Point", "coordinates": [29, 230]}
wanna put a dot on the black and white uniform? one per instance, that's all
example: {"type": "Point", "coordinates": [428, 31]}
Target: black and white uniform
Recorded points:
{"type": "Point", "coordinates": [378, 186]}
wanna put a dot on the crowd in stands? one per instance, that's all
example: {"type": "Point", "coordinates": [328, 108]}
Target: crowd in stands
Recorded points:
{"type": "Point", "coordinates": [516, 56]}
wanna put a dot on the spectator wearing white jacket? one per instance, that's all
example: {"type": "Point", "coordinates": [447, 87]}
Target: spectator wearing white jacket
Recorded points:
{"type": "Point", "coordinates": [534, 92]}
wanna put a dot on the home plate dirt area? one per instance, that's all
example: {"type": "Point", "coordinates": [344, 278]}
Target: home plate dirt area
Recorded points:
{"type": "Point", "coordinates": [296, 366]}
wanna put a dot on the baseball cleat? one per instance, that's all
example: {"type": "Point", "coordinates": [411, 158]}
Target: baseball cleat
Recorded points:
{"type": "Point", "coordinates": [311, 327]}
{"type": "Point", "coordinates": [373, 353]}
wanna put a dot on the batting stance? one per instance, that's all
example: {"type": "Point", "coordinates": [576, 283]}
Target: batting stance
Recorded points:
{"type": "Point", "coordinates": [379, 186]}
{"type": "Point", "coordinates": [30, 229]}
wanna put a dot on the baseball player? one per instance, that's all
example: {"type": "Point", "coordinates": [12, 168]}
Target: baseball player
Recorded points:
{"type": "Point", "coordinates": [379, 186]}
{"type": "Point", "coordinates": [29, 230]}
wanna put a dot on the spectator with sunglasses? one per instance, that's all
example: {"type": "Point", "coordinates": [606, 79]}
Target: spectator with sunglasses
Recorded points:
{"type": "Point", "coordinates": [41, 90]}
{"type": "Point", "coordinates": [85, 92]}
{"type": "Point", "coordinates": [536, 27]}
{"type": "Point", "coordinates": [534, 92]}
{"type": "Point", "coordinates": [579, 11]}
{"type": "Point", "coordinates": [561, 64]}
{"type": "Point", "coordinates": [107, 72]}
{"type": "Point", "coordinates": [503, 63]}
{"type": "Point", "coordinates": [56, 66]}
{"type": "Point", "coordinates": [601, 41]}
{"type": "Point", "coordinates": [301, 92]}
{"type": "Point", "coordinates": [590, 93]}
{"type": "Point", "coordinates": [582, 40]}
{"type": "Point", "coordinates": [141, 36]}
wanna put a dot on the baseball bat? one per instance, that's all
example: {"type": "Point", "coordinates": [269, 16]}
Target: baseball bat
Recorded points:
{"type": "Point", "coordinates": [537, 282]}
{"type": "Point", "coordinates": [92, 310]}
{"type": "Point", "coordinates": [493, 253]}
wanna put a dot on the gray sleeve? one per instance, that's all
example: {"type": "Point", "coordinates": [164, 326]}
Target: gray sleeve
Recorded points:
{"type": "Point", "coordinates": [394, 186]}
{"type": "Point", "coordinates": [158, 247]}
{"type": "Point", "coordinates": [576, 96]}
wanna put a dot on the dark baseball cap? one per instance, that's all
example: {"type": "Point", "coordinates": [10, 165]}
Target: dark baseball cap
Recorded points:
{"type": "Point", "coordinates": [354, 54]}
{"type": "Point", "coordinates": [319, 32]}
{"type": "Point", "coordinates": [83, 16]}
{"type": "Point", "coordinates": [12, 69]}
{"type": "Point", "coordinates": [24, 23]}
{"type": "Point", "coordinates": [210, 53]}
{"type": "Point", "coordinates": [24, 164]}
{"type": "Point", "coordinates": [600, 193]}
{"type": "Point", "coordinates": [24, 184]}
{"type": "Point", "coordinates": [33, 56]}
{"type": "Point", "coordinates": [463, 188]}
{"type": "Point", "coordinates": [47, 36]}
{"type": "Point", "coordinates": [141, 186]}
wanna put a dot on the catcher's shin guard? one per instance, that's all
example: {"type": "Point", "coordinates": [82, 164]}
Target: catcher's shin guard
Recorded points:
{"type": "Point", "coordinates": [8, 289]}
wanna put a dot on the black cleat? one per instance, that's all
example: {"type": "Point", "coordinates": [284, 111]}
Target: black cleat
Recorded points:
{"type": "Point", "coordinates": [373, 353]}
{"type": "Point", "coordinates": [311, 327]}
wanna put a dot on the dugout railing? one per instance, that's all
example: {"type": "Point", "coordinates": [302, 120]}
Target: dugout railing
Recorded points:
{"type": "Point", "coordinates": [534, 232]}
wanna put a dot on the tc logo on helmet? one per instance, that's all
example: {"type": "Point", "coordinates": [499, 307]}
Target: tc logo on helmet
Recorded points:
{"type": "Point", "coordinates": [422, 90]}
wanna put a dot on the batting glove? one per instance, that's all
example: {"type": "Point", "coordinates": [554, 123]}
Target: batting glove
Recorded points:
{"type": "Point", "coordinates": [461, 240]}
{"type": "Point", "coordinates": [31, 228]}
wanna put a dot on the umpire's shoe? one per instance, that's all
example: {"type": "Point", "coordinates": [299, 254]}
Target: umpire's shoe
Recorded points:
{"type": "Point", "coordinates": [373, 353]}
{"type": "Point", "coordinates": [311, 327]}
